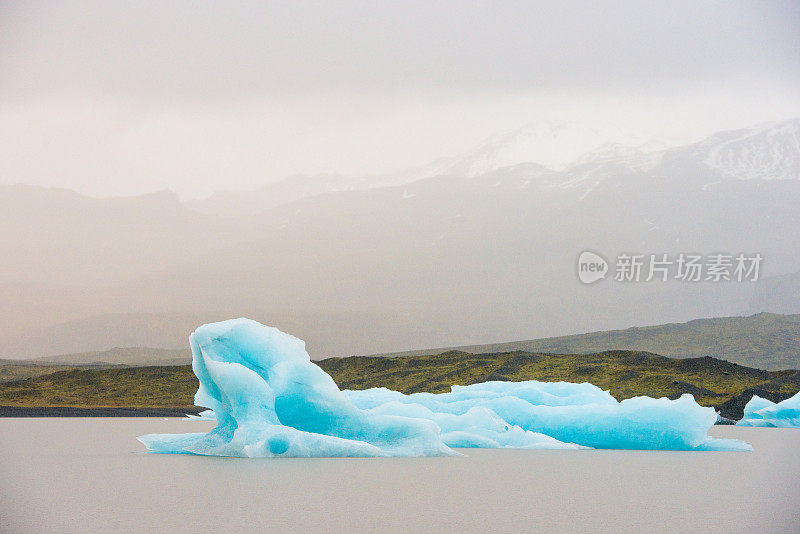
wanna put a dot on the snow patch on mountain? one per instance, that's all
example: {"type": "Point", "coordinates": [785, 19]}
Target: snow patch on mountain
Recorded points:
{"type": "Point", "coordinates": [610, 160]}
{"type": "Point", "coordinates": [766, 152]}
{"type": "Point", "coordinates": [554, 145]}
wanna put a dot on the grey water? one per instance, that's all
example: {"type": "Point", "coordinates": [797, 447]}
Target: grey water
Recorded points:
{"type": "Point", "coordinates": [84, 475]}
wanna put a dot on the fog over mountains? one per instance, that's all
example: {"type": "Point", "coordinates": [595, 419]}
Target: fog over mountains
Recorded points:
{"type": "Point", "coordinates": [552, 144]}
{"type": "Point", "coordinates": [473, 249]}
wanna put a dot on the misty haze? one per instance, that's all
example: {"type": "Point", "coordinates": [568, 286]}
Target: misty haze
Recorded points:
{"type": "Point", "coordinates": [566, 228]}
{"type": "Point", "coordinates": [478, 248]}
{"type": "Point", "coordinates": [469, 229]}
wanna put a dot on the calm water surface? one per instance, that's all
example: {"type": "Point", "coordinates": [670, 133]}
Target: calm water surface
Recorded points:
{"type": "Point", "coordinates": [91, 475]}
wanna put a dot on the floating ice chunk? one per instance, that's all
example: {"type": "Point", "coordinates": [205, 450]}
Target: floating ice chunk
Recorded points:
{"type": "Point", "coordinates": [763, 412]}
{"type": "Point", "coordinates": [575, 413]}
{"type": "Point", "coordinates": [269, 399]}
{"type": "Point", "coordinates": [751, 416]}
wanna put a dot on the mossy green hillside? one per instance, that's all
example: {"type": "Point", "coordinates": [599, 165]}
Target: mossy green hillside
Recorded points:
{"type": "Point", "coordinates": [625, 374]}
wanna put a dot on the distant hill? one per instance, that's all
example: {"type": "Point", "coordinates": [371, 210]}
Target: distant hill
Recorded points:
{"type": "Point", "coordinates": [763, 340]}
{"type": "Point", "coordinates": [57, 236]}
{"type": "Point", "coordinates": [11, 370]}
{"type": "Point", "coordinates": [778, 294]}
{"type": "Point", "coordinates": [134, 356]}
{"type": "Point", "coordinates": [713, 382]}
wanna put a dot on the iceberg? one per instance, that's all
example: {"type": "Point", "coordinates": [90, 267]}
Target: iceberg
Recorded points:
{"type": "Point", "coordinates": [762, 412]}
{"type": "Point", "coordinates": [270, 400]}
{"type": "Point", "coordinates": [582, 414]}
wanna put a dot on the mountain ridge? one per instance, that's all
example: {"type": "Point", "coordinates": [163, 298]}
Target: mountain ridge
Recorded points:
{"type": "Point", "coordinates": [597, 145]}
{"type": "Point", "coordinates": [763, 340]}
{"type": "Point", "coordinates": [440, 261]}
{"type": "Point", "coordinates": [741, 340]}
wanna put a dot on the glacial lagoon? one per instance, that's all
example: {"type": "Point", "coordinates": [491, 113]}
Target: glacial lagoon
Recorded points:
{"type": "Point", "coordinates": [90, 474]}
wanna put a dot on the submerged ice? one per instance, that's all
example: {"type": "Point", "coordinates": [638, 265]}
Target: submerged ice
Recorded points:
{"type": "Point", "coordinates": [763, 412]}
{"type": "Point", "coordinates": [269, 399]}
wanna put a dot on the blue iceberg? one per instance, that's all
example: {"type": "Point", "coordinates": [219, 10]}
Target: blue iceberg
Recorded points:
{"type": "Point", "coordinates": [762, 412]}
{"type": "Point", "coordinates": [270, 400]}
{"type": "Point", "coordinates": [582, 414]}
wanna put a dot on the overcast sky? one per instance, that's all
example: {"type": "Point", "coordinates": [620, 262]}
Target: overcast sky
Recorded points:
{"type": "Point", "coordinates": [111, 98]}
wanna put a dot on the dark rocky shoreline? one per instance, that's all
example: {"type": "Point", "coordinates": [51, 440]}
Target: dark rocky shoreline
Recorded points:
{"type": "Point", "coordinates": [69, 411]}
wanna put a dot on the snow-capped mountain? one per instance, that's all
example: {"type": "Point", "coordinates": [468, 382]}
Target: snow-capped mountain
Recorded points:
{"type": "Point", "coordinates": [580, 157]}
{"type": "Point", "coordinates": [571, 156]}
{"type": "Point", "coordinates": [609, 161]}
{"type": "Point", "coordinates": [554, 145]}
{"type": "Point", "coordinates": [766, 152]}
